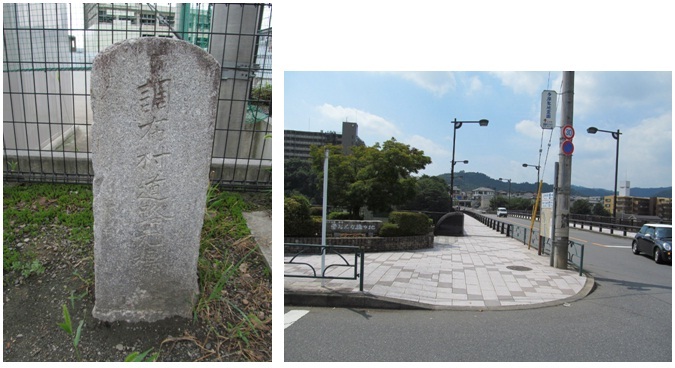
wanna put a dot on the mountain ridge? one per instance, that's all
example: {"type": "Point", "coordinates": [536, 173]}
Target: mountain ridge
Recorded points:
{"type": "Point", "coordinates": [472, 180]}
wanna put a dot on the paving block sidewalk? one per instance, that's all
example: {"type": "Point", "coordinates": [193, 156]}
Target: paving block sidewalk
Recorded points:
{"type": "Point", "coordinates": [483, 269]}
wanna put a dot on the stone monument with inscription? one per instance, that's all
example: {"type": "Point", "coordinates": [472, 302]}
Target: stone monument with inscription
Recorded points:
{"type": "Point", "coordinates": [154, 103]}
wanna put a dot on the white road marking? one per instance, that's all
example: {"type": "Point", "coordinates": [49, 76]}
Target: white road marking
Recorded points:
{"type": "Point", "coordinates": [291, 316]}
{"type": "Point", "coordinates": [611, 246]}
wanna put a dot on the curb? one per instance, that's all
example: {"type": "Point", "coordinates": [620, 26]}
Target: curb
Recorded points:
{"type": "Point", "coordinates": [350, 299]}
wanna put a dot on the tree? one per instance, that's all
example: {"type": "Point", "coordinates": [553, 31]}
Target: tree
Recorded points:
{"type": "Point", "coordinates": [300, 177]}
{"type": "Point", "coordinates": [378, 177]}
{"type": "Point", "coordinates": [581, 207]}
{"type": "Point", "coordinates": [600, 210]}
{"type": "Point", "coordinates": [432, 195]}
{"type": "Point", "coordinates": [498, 201]}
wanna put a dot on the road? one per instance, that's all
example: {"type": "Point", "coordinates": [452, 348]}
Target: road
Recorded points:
{"type": "Point", "coordinates": [628, 317]}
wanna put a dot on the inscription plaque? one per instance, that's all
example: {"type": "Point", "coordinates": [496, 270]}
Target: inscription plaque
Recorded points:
{"type": "Point", "coordinates": [154, 103]}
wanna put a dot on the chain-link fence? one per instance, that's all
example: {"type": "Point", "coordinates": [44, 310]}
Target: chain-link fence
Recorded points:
{"type": "Point", "coordinates": [48, 51]}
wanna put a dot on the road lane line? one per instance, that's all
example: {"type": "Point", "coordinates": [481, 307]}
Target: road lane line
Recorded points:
{"type": "Point", "coordinates": [611, 246]}
{"type": "Point", "coordinates": [292, 316]}
{"type": "Point", "coordinates": [579, 240]}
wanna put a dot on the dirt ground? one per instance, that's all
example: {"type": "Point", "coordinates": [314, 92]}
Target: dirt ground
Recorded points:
{"type": "Point", "coordinates": [32, 307]}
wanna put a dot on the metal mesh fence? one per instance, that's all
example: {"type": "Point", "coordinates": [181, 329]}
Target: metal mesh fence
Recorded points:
{"type": "Point", "coordinates": [48, 51]}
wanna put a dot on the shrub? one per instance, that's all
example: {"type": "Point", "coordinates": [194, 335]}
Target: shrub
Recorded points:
{"type": "Point", "coordinates": [297, 218]}
{"type": "Point", "coordinates": [316, 211]}
{"type": "Point", "coordinates": [340, 216]}
{"type": "Point", "coordinates": [411, 223]}
{"type": "Point", "coordinates": [388, 230]}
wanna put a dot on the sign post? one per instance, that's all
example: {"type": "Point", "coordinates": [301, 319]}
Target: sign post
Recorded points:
{"type": "Point", "coordinates": [324, 217]}
{"type": "Point", "coordinates": [549, 100]}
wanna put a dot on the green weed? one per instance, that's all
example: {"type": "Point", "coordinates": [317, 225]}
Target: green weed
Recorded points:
{"type": "Point", "coordinates": [67, 326]}
{"type": "Point", "coordinates": [141, 357]}
{"type": "Point", "coordinates": [25, 264]}
{"type": "Point", "coordinates": [74, 297]}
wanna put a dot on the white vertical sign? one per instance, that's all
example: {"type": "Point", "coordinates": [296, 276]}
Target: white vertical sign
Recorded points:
{"type": "Point", "coordinates": [547, 200]}
{"type": "Point", "coordinates": [548, 108]}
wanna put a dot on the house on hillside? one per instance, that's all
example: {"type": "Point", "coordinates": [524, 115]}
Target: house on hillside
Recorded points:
{"type": "Point", "coordinates": [481, 197]}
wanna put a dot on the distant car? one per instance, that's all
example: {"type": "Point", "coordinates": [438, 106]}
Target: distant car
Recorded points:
{"type": "Point", "coordinates": [655, 240]}
{"type": "Point", "coordinates": [501, 212]}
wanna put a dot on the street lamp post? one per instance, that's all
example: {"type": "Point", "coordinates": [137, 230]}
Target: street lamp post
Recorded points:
{"type": "Point", "coordinates": [452, 190]}
{"type": "Point", "coordinates": [536, 167]}
{"type": "Point", "coordinates": [615, 135]}
{"type": "Point", "coordinates": [457, 125]}
{"type": "Point", "coordinates": [509, 180]}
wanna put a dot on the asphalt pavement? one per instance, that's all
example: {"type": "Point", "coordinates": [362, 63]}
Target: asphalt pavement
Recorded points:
{"type": "Point", "coordinates": [482, 270]}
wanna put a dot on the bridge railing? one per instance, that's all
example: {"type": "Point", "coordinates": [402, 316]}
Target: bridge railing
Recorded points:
{"type": "Point", "coordinates": [532, 237]}
{"type": "Point", "coordinates": [624, 229]}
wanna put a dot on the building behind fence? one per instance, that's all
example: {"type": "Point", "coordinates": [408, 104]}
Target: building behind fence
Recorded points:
{"type": "Point", "coordinates": [47, 62]}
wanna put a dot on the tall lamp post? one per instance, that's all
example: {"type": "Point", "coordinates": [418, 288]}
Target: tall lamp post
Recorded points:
{"type": "Point", "coordinates": [452, 190]}
{"type": "Point", "coordinates": [457, 125]}
{"type": "Point", "coordinates": [509, 180]}
{"type": "Point", "coordinates": [615, 135]}
{"type": "Point", "coordinates": [536, 167]}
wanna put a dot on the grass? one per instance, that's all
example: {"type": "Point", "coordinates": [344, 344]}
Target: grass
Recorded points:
{"type": "Point", "coordinates": [234, 282]}
{"type": "Point", "coordinates": [227, 256]}
{"type": "Point", "coordinates": [26, 208]}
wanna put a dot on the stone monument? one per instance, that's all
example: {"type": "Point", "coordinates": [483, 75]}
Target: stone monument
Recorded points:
{"type": "Point", "coordinates": [154, 103]}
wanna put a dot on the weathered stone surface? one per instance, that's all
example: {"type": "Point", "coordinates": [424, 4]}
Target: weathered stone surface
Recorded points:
{"type": "Point", "coordinates": [154, 104]}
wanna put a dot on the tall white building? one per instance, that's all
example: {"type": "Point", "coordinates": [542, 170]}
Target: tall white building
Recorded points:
{"type": "Point", "coordinates": [624, 188]}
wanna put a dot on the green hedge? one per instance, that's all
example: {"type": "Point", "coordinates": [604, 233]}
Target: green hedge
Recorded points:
{"type": "Point", "coordinates": [340, 216]}
{"type": "Point", "coordinates": [406, 224]}
{"type": "Point", "coordinates": [388, 230]}
{"type": "Point", "coordinates": [297, 218]}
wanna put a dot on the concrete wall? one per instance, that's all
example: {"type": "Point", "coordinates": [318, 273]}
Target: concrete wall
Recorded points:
{"type": "Point", "coordinates": [369, 245]}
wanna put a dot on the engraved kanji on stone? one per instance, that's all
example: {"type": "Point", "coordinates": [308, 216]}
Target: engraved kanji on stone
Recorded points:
{"type": "Point", "coordinates": [154, 97]}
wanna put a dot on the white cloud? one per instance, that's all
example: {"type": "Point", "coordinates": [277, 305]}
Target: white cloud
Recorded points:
{"type": "Point", "coordinates": [474, 84]}
{"type": "Point", "coordinates": [645, 155]}
{"type": "Point", "coordinates": [595, 93]}
{"type": "Point", "coordinates": [441, 155]}
{"type": "Point", "coordinates": [430, 148]}
{"type": "Point", "coordinates": [523, 82]}
{"type": "Point", "coordinates": [438, 83]}
{"type": "Point", "coordinates": [529, 128]}
{"type": "Point", "coordinates": [372, 128]}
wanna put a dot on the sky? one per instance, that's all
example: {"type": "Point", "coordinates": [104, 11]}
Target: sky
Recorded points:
{"type": "Point", "coordinates": [418, 109]}
{"type": "Point", "coordinates": [408, 71]}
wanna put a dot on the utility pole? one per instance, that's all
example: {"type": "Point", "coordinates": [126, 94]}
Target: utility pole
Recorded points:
{"type": "Point", "coordinates": [562, 210]}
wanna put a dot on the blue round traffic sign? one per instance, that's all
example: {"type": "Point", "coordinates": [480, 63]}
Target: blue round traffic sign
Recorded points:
{"type": "Point", "coordinates": [568, 147]}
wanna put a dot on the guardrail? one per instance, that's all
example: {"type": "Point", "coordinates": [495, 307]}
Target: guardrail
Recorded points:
{"type": "Point", "coordinates": [624, 229]}
{"type": "Point", "coordinates": [600, 225]}
{"type": "Point", "coordinates": [575, 254]}
{"type": "Point", "coordinates": [311, 249]}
